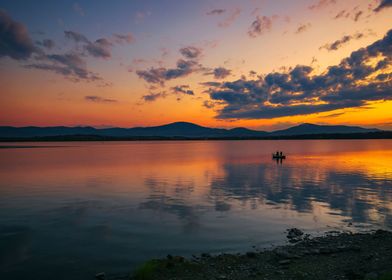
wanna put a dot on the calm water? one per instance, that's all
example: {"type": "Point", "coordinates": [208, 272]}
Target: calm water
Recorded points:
{"type": "Point", "coordinates": [70, 210]}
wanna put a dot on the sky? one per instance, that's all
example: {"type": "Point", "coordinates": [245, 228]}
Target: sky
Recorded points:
{"type": "Point", "coordinates": [261, 64]}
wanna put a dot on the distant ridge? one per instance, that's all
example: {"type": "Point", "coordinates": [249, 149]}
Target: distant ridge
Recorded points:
{"type": "Point", "coordinates": [308, 128]}
{"type": "Point", "coordinates": [176, 129]}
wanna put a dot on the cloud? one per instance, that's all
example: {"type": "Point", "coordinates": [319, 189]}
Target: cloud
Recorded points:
{"type": "Point", "coordinates": [216, 12]}
{"type": "Point", "coordinates": [303, 28]}
{"type": "Point", "coordinates": [153, 96]}
{"type": "Point", "coordinates": [342, 41]}
{"type": "Point", "coordinates": [383, 5]}
{"type": "Point", "coordinates": [352, 83]}
{"type": "Point", "coordinates": [70, 65]}
{"type": "Point", "coordinates": [15, 41]}
{"type": "Point", "coordinates": [97, 99]}
{"type": "Point", "coordinates": [230, 18]}
{"type": "Point", "coordinates": [191, 52]}
{"type": "Point", "coordinates": [220, 73]}
{"type": "Point", "coordinates": [321, 4]}
{"type": "Point", "coordinates": [208, 104]}
{"type": "Point", "coordinates": [75, 36]}
{"type": "Point", "coordinates": [124, 38]}
{"type": "Point", "coordinates": [183, 89]}
{"type": "Point", "coordinates": [46, 43]}
{"type": "Point", "coordinates": [357, 15]}
{"type": "Point", "coordinates": [78, 9]}
{"type": "Point", "coordinates": [162, 74]}
{"type": "Point", "coordinates": [341, 14]}
{"type": "Point", "coordinates": [260, 25]}
{"type": "Point", "coordinates": [100, 48]}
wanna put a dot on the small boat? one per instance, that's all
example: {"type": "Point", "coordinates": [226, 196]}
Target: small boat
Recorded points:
{"type": "Point", "coordinates": [275, 156]}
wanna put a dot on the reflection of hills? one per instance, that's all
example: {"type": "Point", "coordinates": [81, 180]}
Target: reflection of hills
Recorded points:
{"type": "Point", "coordinates": [350, 194]}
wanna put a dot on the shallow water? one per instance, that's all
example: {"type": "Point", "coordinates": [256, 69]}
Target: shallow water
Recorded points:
{"type": "Point", "coordinates": [70, 210]}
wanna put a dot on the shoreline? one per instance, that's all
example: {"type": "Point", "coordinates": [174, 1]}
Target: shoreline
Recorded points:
{"type": "Point", "coordinates": [334, 255]}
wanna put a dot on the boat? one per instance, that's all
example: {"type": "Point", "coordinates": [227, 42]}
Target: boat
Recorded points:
{"type": "Point", "coordinates": [275, 156]}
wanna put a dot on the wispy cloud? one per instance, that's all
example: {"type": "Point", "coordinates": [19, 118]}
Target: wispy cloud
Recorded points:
{"type": "Point", "coordinates": [153, 96]}
{"type": "Point", "coordinates": [321, 4]}
{"type": "Point", "coordinates": [98, 99]}
{"type": "Point", "coordinates": [216, 12]}
{"type": "Point", "coordinates": [342, 41]}
{"type": "Point", "coordinates": [233, 15]}
{"type": "Point", "coordinates": [261, 25]}
{"type": "Point", "coordinates": [303, 28]}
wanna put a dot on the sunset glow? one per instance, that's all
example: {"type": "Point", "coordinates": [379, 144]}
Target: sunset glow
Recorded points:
{"type": "Point", "coordinates": [256, 63]}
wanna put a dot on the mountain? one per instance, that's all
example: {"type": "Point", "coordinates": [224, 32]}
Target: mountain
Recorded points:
{"type": "Point", "coordinates": [177, 129]}
{"type": "Point", "coordinates": [308, 128]}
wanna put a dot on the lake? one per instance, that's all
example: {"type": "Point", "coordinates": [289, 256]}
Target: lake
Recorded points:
{"type": "Point", "coordinates": [69, 210]}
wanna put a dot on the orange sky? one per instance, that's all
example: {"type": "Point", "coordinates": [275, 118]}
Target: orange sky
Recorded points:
{"type": "Point", "coordinates": [290, 35]}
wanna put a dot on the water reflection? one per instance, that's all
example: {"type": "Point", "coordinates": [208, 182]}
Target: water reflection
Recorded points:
{"type": "Point", "coordinates": [109, 206]}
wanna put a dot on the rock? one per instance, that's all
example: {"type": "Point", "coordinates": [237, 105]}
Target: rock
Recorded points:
{"type": "Point", "coordinates": [251, 255]}
{"type": "Point", "coordinates": [294, 235]}
{"type": "Point", "coordinates": [100, 276]}
{"type": "Point", "coordinates": [222, 277]}
{"type": "Point", "coordinates": [205, 255]}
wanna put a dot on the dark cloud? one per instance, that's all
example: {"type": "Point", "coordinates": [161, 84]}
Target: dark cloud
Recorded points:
{"type": "Point", "coordinates": [47, 43]}
{"type": "Point", "coordinates": [216, 12]}
{"type": "Point", "coordinates": [260, 25]}
{"type": "Point", "coordinates": [97, 99]}
{"type": "Point", "coordinates": [303, 28]}
{"type": "Point", "coordinates": [220, 72]}
{"type": "Point", "coordinates": [71, 66]}
{"type": "Point", "coordinates": [321, 4]}
{"type": "Point", "coordinates": [191, 52]}
{"type": "Point", "coordinates": [162, 74]}
{"type": "Point", "coordinates": [383, 4]}
{"type": "Point", "coordinates": [15, 41]}
{"type": "Point", "coordinates": [230, 18]}
{"type": "Point", "coordinates": [182, 89]}
{"type": "Point", "coordinates": [100, 48]}
{"type": "Point", "coordinates": [352, 83]}
{"type": "Point", "coordinates": [153, 96]}
{"type": "Point", "coordinates": [342, 41]}
{"type": "Point", "coordinates": [211, 84]}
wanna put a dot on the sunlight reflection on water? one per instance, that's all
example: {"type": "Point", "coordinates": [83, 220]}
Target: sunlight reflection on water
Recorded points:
{"type": "Point", "coordinates": [109, 206]}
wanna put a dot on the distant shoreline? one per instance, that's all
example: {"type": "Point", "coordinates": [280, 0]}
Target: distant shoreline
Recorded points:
{"type": "Point", "coordinates": [73, 138]}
